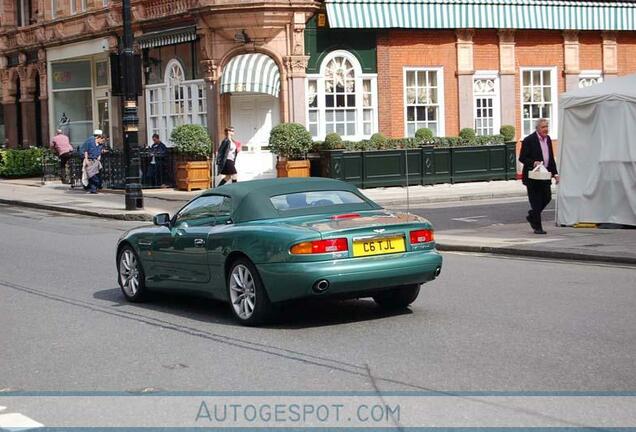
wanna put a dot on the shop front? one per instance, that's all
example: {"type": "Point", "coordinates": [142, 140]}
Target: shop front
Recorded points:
{"type": "Point", "coordinates": [79, 90]}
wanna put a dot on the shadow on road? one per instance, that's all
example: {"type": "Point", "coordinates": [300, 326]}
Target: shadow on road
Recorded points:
{"type": "Point", "coordinates": [290, 315]}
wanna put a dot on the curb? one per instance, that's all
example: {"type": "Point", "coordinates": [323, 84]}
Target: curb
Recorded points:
{"type": "Point", "coordinates": [570, 256]}
{"type": "Point", "coordinates": [460, 198]}
{"type": "Point", "coordinates": [144, 217]}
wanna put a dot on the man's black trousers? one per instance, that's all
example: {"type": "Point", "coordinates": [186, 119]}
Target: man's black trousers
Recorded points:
{"type": "Point", "coordinates": [539, 195]}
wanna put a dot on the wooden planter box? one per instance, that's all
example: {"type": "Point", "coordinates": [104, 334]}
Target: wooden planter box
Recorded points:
{"type": "Point", "coordinates": [193, 175]}
{"type": "Point", "coordinates": [293, 168]}
{"type": "Point", "coordinates": [426, 165]}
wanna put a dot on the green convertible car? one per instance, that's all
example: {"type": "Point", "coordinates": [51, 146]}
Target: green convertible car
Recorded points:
{"type": "Point", "coordinates": [258, 243]}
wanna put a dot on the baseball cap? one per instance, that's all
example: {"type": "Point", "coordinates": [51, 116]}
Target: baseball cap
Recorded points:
{"type": "Point", "coordinates": [97, 132]}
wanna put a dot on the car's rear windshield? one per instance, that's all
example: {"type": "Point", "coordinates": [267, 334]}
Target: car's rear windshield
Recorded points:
{"type": "Point", "coordinates": [313, 199]}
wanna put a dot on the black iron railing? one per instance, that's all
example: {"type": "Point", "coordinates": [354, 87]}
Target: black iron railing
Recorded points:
{"type": "Point", "coordinates": [155, 171]}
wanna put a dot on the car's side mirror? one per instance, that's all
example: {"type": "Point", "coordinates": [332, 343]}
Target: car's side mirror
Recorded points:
{"type": "Point", "coordinates": [162, 219]}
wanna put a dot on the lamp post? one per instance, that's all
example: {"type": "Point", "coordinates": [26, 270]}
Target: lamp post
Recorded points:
{"type": "Point", "coordinates": [130, 74]}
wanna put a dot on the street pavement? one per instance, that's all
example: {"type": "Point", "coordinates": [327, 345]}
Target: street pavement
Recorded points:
{"type": "Point", "coordinates": [512, 238]}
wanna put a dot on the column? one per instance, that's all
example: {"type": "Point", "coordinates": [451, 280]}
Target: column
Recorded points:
{"type": "Point", "coordinates": [465, 72]}
{"type": "Point", "coordinates": [212, 96]}
{"type": "Point", "coordinates": [27, 104]}
{"type": "Point", "coordinates": [296, 70]}
{"type": "Point", "coordinates": [296, 73]}
{"type": "Point", "coordinates": [44, 97]}
{"type": "Point", "coordinates": [610, 55]}
{"type": "Point", "coordinates": [507, 72]}
{"type": "Point", "coordinates": [571, 56]}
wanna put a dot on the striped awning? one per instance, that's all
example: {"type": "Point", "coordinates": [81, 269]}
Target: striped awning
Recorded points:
{"type": "Point", "coordinates": [255, 72]}
{"type": "Point", "coordinates": [495, 14]}
{"type": "Point", "coordinates": [167, 37]}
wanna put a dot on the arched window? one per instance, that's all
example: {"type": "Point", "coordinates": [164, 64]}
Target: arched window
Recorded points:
{"type": "Point", "coordinates": [342, 99]}
{"type": "Point", "coordinates": [175, 102]}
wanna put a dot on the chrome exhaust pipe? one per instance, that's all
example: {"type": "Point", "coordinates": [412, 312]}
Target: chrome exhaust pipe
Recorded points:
{"type": "Point", "coordinates": [321, 286]}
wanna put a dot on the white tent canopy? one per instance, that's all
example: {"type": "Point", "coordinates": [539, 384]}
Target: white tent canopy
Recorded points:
{"type": "Point", "coordinates": [597, 154]}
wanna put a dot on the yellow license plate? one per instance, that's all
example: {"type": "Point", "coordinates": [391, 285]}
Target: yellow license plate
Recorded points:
{"type": "Point", "coordinates": [381, 246]}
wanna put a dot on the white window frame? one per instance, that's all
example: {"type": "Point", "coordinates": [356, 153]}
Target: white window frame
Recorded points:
{"type": "Point", "coordinates": [24, 18]}
{"type": "Point", "coordinates": [191, 115]}
{"type": "Point", "coordinates": [554, 120]}
{"type": "Point", "coordinates": [590, 74]}
{"type": "Point", "coordinates": [441, 130]}
{"type": "Point", "coordinates": [496, 105]}
{"type": "Point", "coordinates": [82, 6]}
{"type": "Point", "coordinates": [360, 77]}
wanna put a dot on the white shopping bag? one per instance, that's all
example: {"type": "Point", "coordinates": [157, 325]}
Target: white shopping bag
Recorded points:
{"type": "Point", "coordinates": [540, 172]}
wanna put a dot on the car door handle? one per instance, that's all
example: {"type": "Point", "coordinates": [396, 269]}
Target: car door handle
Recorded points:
{"type": "Point", "coordinates": [199, 242]}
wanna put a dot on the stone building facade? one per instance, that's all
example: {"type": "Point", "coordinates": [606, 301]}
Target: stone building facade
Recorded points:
{"type": "Point", "coordinates": [55, 70]}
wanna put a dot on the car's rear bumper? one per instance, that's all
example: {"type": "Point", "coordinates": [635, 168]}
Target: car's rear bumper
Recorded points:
{"type": "Point", "coordinates": [287, 281]}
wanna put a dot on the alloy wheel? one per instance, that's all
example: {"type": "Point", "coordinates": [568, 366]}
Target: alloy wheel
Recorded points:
{"type": "Point", "coordinates": [129, 272]}
{"type": "Point", "coordinates": [242, 291]}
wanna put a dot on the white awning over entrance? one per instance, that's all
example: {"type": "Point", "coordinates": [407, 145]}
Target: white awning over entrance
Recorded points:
{"type": "Point", "coordinates": [255, 72]}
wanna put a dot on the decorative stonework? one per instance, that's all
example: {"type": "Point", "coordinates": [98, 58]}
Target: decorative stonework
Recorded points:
{"type": "Point", "coordinates": [296, 65]}
{"type": "Point", "coordinates": [113, 44]}
{"type": "Point", "coordinates": [210, 70]}
{"type": "Point", "coordinates": [571, 51]}
{"type": "Point", "coordinates": [465, 51]}
{"type": "Point", "coordinates": [113, 18]}
{"type": "Point", "coordinates": [59, 30]}
{"type": "Point", "coordinates": [298, 35]}
{"type": "Point", "coordinates": [25, 38]}
{"type": "Point", "coordinates": [506, 51]}
{"type": "Point", "coordinates": [610, 55]}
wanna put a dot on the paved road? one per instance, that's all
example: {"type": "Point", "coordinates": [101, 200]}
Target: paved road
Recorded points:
{"type": "Point", "coordinates": [488, 323]}
{"type": "Point", "coordinates": [482, 213]}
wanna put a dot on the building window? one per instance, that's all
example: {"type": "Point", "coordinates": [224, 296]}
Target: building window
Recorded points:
{"type": "Point", "coordinates": [486, 103]}
{"type": "Point", "coordinates": [589, 78]}
{"type": "Point", "coordinates": [175, 102]}
{"type": "Point", "coordinates": [342, 99]}
{"type": "Point", "coordinates": [538, 98]}
{"type": "Point", "coordinates": [23, 12]}
{"type": "Point", "coordinates": [78, 6]}
{"type": "Point", "coordinates": [54, 8]}
{"type": "Point", "coordinates": [424, 100]}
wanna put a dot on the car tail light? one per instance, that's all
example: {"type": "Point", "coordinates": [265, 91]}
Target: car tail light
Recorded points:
{"type": "Point", "coordinates": [320, 246]}
{"type": "Point", "coordinates": [421, 236]}
{"type": "Point", "coordinates": [345, 216]}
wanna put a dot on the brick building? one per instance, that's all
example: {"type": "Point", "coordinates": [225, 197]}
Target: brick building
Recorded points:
{"type": "Point", "coordinates": [452, 64]}
{"type": "Point", "coordinates": [354, 67]}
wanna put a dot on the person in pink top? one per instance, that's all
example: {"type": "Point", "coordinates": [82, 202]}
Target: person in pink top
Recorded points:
{"type": "Point", "coordinates": [536, 149]}
{"type": "Point", "coordinates": [61, 145]}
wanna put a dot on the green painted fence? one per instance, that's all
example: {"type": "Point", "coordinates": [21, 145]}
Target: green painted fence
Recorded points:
{"type": "Point", "coordinates": [426, 165]}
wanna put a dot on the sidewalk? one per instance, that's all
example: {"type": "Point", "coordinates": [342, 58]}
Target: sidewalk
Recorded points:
{"type": "Point", "coordinates": [612, 246]}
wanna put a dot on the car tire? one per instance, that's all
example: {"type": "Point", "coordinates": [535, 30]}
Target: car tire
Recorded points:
{"type": "Point", "coordinates": [248, 299]}
{"type": "Point", "coordinates": [398, 298]}
{"type": "Point", "coordinates": [130, 275]}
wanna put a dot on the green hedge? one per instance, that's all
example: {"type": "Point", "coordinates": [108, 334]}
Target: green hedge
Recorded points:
{"type": "Point", "coordinates": [381, 143]}
{"type": "Point", "coordinates": [21, 163]}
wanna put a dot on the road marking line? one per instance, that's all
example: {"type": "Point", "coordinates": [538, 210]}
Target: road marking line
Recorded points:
{"type": "Point", "coordinates": [17, 422]}
{"type": "Point", "coordinates": [469, 218]}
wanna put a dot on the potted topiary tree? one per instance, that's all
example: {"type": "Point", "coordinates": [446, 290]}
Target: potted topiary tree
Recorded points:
{"type": "Point", "coordinates": [290, 142]}
{"type": "Point", "coordinates": [193, 142]}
